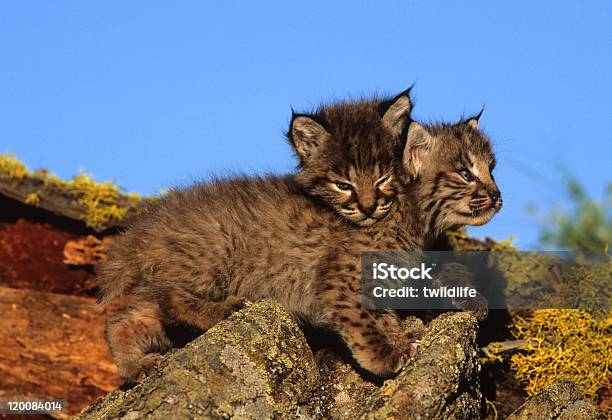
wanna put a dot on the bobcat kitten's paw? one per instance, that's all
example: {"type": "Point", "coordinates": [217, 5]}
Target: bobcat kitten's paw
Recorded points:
{"type": "Point", "coordinates": [136, 371]}
{"type": "Point", "coordinates": [478, 306]}
{"type": "Point", "coordinates": [408, 345]}
{"type": "Point", "coordinates": [404, 354]}
{"type": "Point", "coordinates": [234, 304]}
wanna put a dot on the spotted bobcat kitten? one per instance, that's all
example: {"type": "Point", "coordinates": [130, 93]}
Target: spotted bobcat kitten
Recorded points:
{"type": "Point", "coordinates": [201, 251]}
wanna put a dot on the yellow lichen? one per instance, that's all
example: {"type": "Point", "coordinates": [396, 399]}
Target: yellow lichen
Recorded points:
{"type": "Point", "coordinates": [562, 342]}
{"type": "Point", "coordinates": [459, 240]}
{"type": "Point", "coordinates": [12, 168]}
{"type": "Point", "coordinates": [101, 199]}
{"type": "Point", "coordinates": [504, 245]}
{"type": "Point", "coordinates": [491, 354]}
{"type": "Point", "coordinates": [32, 199]}
{"type": "Point", "coordinates": [566, 343]}
{"type": "Point", "coordinates": [459, 233]}
{"type": "Point", "coordinates": [103, 202]}
{"type": "Point", "coordinates": [587, 287]}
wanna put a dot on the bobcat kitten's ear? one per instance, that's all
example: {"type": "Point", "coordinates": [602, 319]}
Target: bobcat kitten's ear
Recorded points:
{"type": "Point", "coordinates": [307, 136]}
{"type": "Point", "coordinates": [395, 112]}
{"type": "Point", "coordinates": [473, 121]}
{"type": "Point", "coordinates": [418, 146]}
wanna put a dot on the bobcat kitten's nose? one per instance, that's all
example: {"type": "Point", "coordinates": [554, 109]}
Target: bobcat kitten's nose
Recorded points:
{"type": "Point", "coordinates": [367, 209]}
{"type": "Point", "coordinates": [494, 194]}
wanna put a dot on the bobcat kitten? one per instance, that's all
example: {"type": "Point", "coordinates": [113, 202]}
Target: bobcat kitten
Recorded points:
{"type": "Point", "coordinates": [200, 252]}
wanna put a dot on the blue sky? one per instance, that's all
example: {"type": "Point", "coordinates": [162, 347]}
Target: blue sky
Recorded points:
{"type": "Point", "coordinates": [155, 94]}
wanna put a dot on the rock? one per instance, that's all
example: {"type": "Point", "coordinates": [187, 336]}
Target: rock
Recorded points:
{"type": "Point", "coordinates": [31, 257]}
{"type": "Point", "coordinates": [255, 364]}
{"type": "Point", "coordinates": [48, 343]}
{"type": "Point", "coordinates": [441, 382]}
{"type": "Point", "coordinates": [100, 206]}
{"type": "Point", "coordinates": [561, 400]}
{"type": "Point", "coordinates": [342, 393]}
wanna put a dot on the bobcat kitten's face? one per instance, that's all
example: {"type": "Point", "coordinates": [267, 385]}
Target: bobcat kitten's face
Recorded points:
{"type": "Point", "coordinates": [360, 196]}
{"type": "Point", "coordinates": [454, 163]}
{"type": "Point", "coordinates": [346, 154]}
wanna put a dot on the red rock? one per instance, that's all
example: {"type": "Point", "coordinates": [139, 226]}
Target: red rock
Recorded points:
{"type": "Point", "coordinates": [31, 257]}
{"type": "Point", "coordinates": [53, 347]}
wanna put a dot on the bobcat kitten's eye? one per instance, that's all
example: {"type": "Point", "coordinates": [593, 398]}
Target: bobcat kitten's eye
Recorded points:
{"type": "Point", "coordinates": [465, 174]}
{"type": "Point", "coordinates": [344, 186]}
{"type": "Point", "coordinates": [382, 180]}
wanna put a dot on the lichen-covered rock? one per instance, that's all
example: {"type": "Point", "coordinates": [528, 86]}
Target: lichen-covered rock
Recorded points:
{"type": "Point", "coordinates": [100, 205]}
{"type": "Point", "coordinates": [342, 393]}
{"type": "Point", "coordinates": [561, 400]}
{"type": "Point", "coordinates": [256, 364]}
{"type": "Point", "coordinates": [441, 382]}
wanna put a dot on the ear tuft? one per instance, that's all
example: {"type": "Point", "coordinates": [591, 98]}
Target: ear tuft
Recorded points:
{"type": "Point", "coordinates": [473, 121]}
{"type": "Point", "coordinates": [396, 112]}
{"type": "Point", "coordinates": [306, 136]}
{"type": "Point", "coordinates": [418, 146]}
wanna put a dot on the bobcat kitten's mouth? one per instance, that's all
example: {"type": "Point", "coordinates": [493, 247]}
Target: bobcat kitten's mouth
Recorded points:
{"type": "Point", "coordinates": [360, 218]}
{"type": "Point", "coordinates": [363, 220]}
{"type": "Point", "coordinates": [368, 221]}
{"type": "Point", "coordinates": [493, 207]}
{"type": "Point", "coordinates": [482, 214]}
